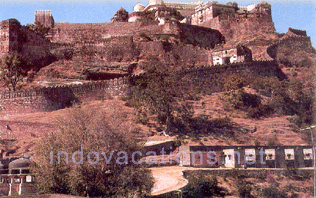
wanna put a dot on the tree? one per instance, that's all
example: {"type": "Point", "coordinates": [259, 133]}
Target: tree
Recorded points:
{"type": "Point", "coordinates": [12, 69]}
{"type": "Point", "coordinates": [163, 92]}
{"type": "Point", "coordinates": [203, 186]}
{"type": "Point", "coordinates": [99, 145]}
{"type": "Point", "coordinates": [243, 188]}
{"type": "Point", "coordinates": [272, 191]}
{"type": "Point", "coordinates": [39, 28]}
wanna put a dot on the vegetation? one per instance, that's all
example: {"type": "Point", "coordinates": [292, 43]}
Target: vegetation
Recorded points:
{"type": "Point", "coordinates": [287, 97]}
{"type": "Point", "coordinates": [239, 99]}
{"type": "Point", "coordinates": [39, 28]}
{"type": "Point", "coordinates": [12, 68]}
{"type": "Point", "coordinates": [243, 188]}
{"type": "Point", "coordinates": [202, 186]}
{"type": "Point", "coordinates": [273, 192]}
{"type": "Point", "coordinates": [94, 140]}
{"type": "Point", "coordinates": [162, 92]}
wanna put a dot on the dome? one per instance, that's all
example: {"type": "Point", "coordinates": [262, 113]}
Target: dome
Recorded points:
{"type": "Point", "coordinates": [19, 163]}
{"type": "Point", "coordinates": [262, 3]}
{"type": "Point", "coordinates": [139, 7]}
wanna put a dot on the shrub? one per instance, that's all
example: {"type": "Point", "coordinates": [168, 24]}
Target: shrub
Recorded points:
{"type": "Point", "coordinates": [273, 192]}
{"type": "Point", "coordinates": [68, 54]}
{"type": "Point", "coordinates": [243, 188]}
{"type": "Point", "coordinates": [235, 82]}
{"type": "Point", "coordinates": [203, 186]}
{"type": "Point", "coordinates": [247, 102]}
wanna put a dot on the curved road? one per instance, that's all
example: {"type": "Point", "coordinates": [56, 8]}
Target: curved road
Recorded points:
{"type": "Point", "coordinates": [168, 178]}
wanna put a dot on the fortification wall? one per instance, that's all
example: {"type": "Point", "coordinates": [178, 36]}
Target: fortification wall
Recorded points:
{"type": "Point", "coordinates": [35, 48]}
{"type": "Point", "coordinates": [294, 32]}
{"type": "Point", "coordinates": [17, 38]}
{"type": "Point", "coordinates": [204, 37]}
{"type": "Point", "coordinates": [215, 77]}
{"type": "Point", "coordinates": [4, 37]}
{"type": "Point", "coordinates": [241, 25]}
{"type": "Point", "coordinates": [290, 44]}
{"type": "Point", "coordinates": [95, 32]}
{"type": "Point", "coordinates": [54, 98]}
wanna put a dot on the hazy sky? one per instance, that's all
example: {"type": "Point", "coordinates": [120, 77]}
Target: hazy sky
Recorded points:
{"type": "Point", "coordinates": [296, 14]}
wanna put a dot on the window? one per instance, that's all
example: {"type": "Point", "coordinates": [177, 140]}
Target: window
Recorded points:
{"type": "Point", "coordinates": [270, 154]}
{"type": "Point", "coordinates": [289, 154]}
{"type": "Point", "coordinates": [308, 154]}
{"type": "Point", "coordinates": [250, 155]}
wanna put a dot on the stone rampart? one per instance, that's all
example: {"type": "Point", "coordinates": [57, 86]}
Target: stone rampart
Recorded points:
{"type": "Point", "coordinates": [293, 42]}
{"type": "Point", "coordinates": [54, 98]}
{"type": "Point", "coordinates": [292, 31]}
{"type": "Point", "coordinates": [20, 39]}
{"type": "Point", "coordinates": [233, 27]}
{"type": "Point", "coordinates": [215, 77]}
{"type": "Point", "coordinates": [200, 36]}
{"type": "Point", "coordinates": [95, 32]}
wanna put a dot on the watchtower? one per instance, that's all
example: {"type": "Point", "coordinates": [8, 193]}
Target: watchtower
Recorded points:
{"type": "Point", "coordinates": [45, 17]}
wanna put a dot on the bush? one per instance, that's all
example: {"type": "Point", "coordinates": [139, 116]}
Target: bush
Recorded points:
{"type": "Point", "coordinates": [242, 100]}
{"type": "Point", "coordinates": [88, 129]}
{"type": "Point", "coordinates": [273, 192]}
{"type": "Point", "coordinates": [235, 82]}
{"type": "Point", "coordinates": [287, 97]}
{"type": "Point", "coordinates": [68, 54]}
{"type": "Point", "coordinates": [202, 186]}
{"type": "Point", "coordinates": [243, 188]}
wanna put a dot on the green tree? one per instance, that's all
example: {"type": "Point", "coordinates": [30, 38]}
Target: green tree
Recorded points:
{"type": "Point", "coordinates": [12, 69]}
{"type": "Point", "coordinates": [39, 28]}
{"type": "Point", "coordinates": [163, 92]}
{"type": "Point", "coordinates": [103, 134]}
{"type": "Point", "coordinates": [273, 192]}
{"type": "Point", "coordinates": [243, 188]}
{"type": "Point", "coordinates": [203, 186]}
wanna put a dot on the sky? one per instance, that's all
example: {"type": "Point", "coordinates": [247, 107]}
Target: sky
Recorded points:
{"type": "Point", "coordinates": [298, 14]}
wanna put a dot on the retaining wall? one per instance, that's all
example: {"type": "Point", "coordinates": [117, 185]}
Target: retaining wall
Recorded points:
{"type": "Point", "coordinates": [54, 98]}
{"type": "Point", "coordinates": [215, 77]}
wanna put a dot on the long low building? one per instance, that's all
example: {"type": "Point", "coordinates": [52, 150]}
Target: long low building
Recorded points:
{"type": "Point", "coordinates": [246, 156]}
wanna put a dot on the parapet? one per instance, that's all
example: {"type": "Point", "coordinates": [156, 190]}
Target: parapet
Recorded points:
{"type": "Point", "coordinates": [292, 31]}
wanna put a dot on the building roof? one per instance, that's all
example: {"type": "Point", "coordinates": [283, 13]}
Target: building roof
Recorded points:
{"type": "Point", "coordinates": [20, 163]}
{"type": "Point", "coordinates": [156, 2]}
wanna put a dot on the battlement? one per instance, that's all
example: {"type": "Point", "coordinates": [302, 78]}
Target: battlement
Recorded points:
{"type": "Point", "coordinates": [301, 42]}
{"type": "Point", "coordinates": [293, 32]}
{"type": "Point", "coordinates": [59, 97]}
{"type": "Point", "coordinates": [216, 76]}
{"type": "Point", "coordinates": [75, 89]}
{"type": "Point", "coordinates": [182, 6]}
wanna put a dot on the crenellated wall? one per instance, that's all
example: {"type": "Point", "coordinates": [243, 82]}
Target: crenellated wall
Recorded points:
{"type": "Point", "coordinates": [98, 32]}
{"type": "Point", "coordinates": [290, 43]}
{"type": "Point", "coordinates": [215, 77]}
{"type": "Point", "coordinates": [54, 98]}
{"type": "Point", "coordinates": [17, 38]}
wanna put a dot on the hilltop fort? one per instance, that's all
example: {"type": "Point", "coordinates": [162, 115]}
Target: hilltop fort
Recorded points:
{"type": "Point", "coordinates": [213, 40]}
